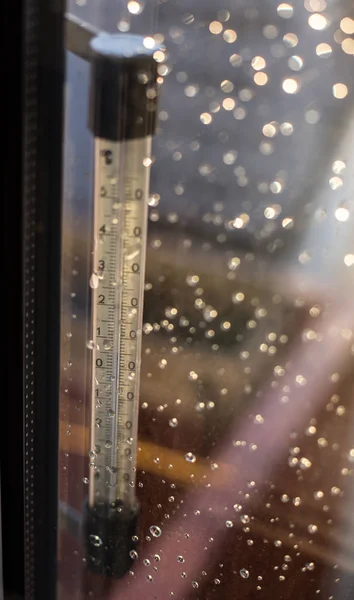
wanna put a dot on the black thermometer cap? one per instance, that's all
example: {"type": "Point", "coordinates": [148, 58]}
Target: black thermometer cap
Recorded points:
{"type": "Point", "coordinates": [123, 95]}
{"type": "Point", "coordinates": [110, 538]}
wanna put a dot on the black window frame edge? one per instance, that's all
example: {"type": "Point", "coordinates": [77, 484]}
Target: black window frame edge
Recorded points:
{"type": "Point", "coordinates": [34, 72]}
{"type": "Point", "coordinates": [44, 137]}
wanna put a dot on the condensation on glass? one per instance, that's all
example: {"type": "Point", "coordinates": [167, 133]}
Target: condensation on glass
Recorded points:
{"type": "Point", "coordinates": [206, 412]}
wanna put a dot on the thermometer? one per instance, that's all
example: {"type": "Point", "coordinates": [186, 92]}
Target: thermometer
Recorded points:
{"type": "Point", "coordinates": [122, 120]}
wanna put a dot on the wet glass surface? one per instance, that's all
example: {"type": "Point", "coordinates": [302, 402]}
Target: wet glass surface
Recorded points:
{"type": "Point", "coordinates": [245, 448]}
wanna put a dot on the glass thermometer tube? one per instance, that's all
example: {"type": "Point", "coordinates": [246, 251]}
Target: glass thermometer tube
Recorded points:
{"type": "Point", "coordinates": [121, 189]}
{"type": "Point", "coordinates": [123, 108]}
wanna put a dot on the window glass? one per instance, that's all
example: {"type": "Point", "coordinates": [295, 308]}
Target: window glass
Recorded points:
{"type": "Point", "coordinates": [208, 235]}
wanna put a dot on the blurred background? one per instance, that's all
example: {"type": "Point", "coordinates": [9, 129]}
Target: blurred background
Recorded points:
{"type": "Point", "coordinates": [246, 440]}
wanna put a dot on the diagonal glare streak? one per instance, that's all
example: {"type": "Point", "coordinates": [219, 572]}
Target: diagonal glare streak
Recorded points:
{"type": "Point", "coordinates": [315, 363]}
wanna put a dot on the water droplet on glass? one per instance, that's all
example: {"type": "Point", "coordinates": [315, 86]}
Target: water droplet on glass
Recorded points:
{"type": "Point", "coordinates": [229, 524]}
{"type": "Point", "coordinates": [244, 573]}
{"type": "Point", "coordinates": [244, 519]}
{"type": "Point", "coordinates": [95, 541]}
{"type": "Point", "coordinates": [173, 422]}
{"type": "Point", "coordinates": [91, 345]}
{"type": "Point", "coordinates": [235, 60]}
{"type": "Point", "coordinates": [318, 21]}
{"type": "Point", "coordinates": [135, 7]}
{"type": "Point", "coordinates": [94, 281]}
{"type": "Point", "coordinates": [285, 10]}
{"type": "Point", "coordinates": [155, 531]}
{"type": "Point", "coordinates": [290, 40]}
{"type": "Point", "coordinates": [189, 457]}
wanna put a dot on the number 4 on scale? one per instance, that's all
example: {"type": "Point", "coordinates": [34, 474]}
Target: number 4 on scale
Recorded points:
{"type": "Point", "coordinates": [108, 156]}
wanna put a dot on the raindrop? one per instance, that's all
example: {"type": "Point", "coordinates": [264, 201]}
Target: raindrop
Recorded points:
{"type": "Point", "coordinates": [206, 118]}
{"type": "Point", "coordinates": [154, 200]}
{"type": "Point", "coordinates": [155, 531]}
{"type": "Point", "coordinates": [230, 36]}
{"type": "Point", "coordinates": [244, 573]}
{"type": "Point", "coordinates": [270, 32]}
{"type": "Point", "coordinates": [244, 519]}
{"type": "Point", "coordinates": [215, 27]}
{"type": "Point", "coordinates": [347, 25]}
{"type": "Point", "coordinates": [235, 60]}
{"type": "Point", "coordinates": [286, 129]}
{"type": "Point", "coordinates": [95, 540]}
{"type": "Point", "coordinates": [349, 260]}
{"type": "Point", "coordinates": [341, 214]}
{"type": "Point", "coordinates": [229, 524]}
{"type": "Point", "coordinates": [323, 50]}
{"type": "Point", "coordinates": [135, 7]}
{"type": "Point", "coordinates": [295, 63]}
{"type": "Point", "coordinates": [290, 40]}
{"type": "Point", "coordinates": [91, 345]}
{"type": "Point", "coordinates": [258, 63]}
{"type": "Point", "coordinates": [338, 167]}
{"type": "Point", "coordinates": [227, 86]}
{"type": "Point", "coordinates": [189, 457]}
{"type": "Point", "coordinates": [290, 86]}
{"type": "Point", "coordinates": [340, 90]}
{"type": "Point", "coordinates": [94, 281]}
{"type": "Point", "coordinates": [317, 21]}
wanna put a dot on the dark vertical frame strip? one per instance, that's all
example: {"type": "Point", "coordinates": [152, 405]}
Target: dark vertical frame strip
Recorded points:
{"type": "Point", "coordinates": [43, 133]}
{"type": "Point", "coordinates": [11, 439]}
{"type": "Point", "coordinates": [30, 117]}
